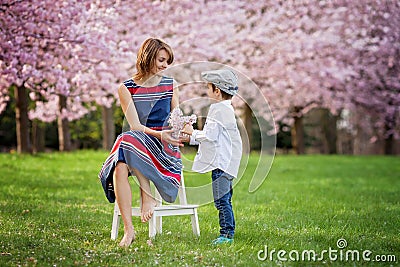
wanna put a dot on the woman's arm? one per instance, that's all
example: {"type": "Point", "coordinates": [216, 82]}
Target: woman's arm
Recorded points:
{"type": "Point", "coordinates": [129, 109]}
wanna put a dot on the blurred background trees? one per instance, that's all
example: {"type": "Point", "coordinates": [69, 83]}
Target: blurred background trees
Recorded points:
{"type": "Point", "coordinates": [329, 69]}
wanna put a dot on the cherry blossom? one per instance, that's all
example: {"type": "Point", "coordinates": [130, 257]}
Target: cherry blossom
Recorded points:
{"type": "Point", "coordinates": [339, 55]}
{"type": "Point", "coordinates": [177, 121]}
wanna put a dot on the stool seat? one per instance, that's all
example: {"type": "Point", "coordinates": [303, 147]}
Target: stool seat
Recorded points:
{"type": "Point", "coordinates": [155, 223]}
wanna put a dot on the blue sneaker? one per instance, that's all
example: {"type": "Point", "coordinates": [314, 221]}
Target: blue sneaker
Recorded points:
{"type": "Point", "coordinates": [222, 240]}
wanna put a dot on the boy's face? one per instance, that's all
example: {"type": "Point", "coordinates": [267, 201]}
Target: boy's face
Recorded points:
{"type": "Point", "coordinates": [215, 95]}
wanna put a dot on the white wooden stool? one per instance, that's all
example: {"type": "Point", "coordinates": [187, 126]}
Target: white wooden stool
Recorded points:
{"type": "Point", "coordinates": [155, 223]}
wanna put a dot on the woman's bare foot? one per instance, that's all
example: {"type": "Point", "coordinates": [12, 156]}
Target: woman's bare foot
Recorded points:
{"type": "Point", "coordinates": [129, 237]}
{"type": "Point", "coordinates": [147, 208]}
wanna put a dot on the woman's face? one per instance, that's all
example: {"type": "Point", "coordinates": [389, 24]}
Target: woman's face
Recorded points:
{"type": "Point", "coordinates": [161, 61]}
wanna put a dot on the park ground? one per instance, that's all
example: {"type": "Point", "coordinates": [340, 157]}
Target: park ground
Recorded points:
{"type": "Point", "coordinates": [53, 213]}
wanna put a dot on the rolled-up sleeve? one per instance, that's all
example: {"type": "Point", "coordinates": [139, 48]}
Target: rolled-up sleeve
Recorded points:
{"type": "Point", "coordinates": [193, 141]}
{"type": "Point", "coordinates": [210, 132]}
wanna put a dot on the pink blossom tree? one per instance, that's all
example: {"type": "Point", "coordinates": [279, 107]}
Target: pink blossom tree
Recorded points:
{"type": "Point", "coordinates": [307, 54]}
{"type": "Point", "coordinates": [294, 58]}
{"type": "Point", "coordinates": [297, 52]}
{"type": "Point", "coordinates": [59, 52]}
{"type": "Point", "coordinates": [373, 95]}
{"type": "Point", "coordinates": [33, 37]}
{"type": "Point", "coordinates": [302, 54]}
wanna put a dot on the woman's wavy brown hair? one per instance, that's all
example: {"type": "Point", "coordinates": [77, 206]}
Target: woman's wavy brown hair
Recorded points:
{"type": "Point", "coordinates": [147, 54]}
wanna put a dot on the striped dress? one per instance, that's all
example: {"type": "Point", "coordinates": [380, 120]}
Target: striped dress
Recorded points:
{"type": "Point", "coordinates": [159, 161]}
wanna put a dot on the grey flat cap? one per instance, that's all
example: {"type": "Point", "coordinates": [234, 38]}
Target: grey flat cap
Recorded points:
{"type": "Point", "coordinates": [224, 79]}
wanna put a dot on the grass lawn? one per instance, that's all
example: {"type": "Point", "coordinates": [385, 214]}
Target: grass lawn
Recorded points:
{"type": "Point", "coordinates": [53, 213]}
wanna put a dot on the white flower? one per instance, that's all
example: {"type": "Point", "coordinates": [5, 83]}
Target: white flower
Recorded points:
{"type": "Point", "coordinates": [177, 121]}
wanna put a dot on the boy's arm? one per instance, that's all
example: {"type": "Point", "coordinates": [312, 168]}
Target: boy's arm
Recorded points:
{"type": "Point", "coordinates": [210, 132]}
{"type": "Point", "coordinates": [192, 140]}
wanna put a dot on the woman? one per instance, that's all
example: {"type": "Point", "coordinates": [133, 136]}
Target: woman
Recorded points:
{"type": "Point", "coordinates": [148, 151]}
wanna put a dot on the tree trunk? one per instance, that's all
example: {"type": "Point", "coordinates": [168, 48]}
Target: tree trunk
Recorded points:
{"type": "Point", "coordinates": [329, 131]}
{"type": "Point", "coordinates": [64, 137]}
{"type": "Point", "coordinates": [389, 148]}
{"type": "Point", "coordinates": [108, 128]}
{"type": "Point", "coordinates": [389, 144]}
{"type": "Point", "coordinates": [298, 135]}
{"type": "Point", "coordinates": [38, 137]}
{"type": "Point", "coordinates": [22, 120]}
{"type": "Point", "coordinates": [245, 128]}
{"type": "Point", "coordinates": [248, 123]}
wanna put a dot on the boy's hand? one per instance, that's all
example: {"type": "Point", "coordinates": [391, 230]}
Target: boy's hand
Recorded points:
{"type": "Point", "coordinates": [184, 138]}
{"type": "Point", "coordinates": [187, 129]}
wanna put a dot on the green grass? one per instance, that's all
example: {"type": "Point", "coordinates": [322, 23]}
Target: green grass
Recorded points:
{"type": "Point", "coordinates": [53, 212]}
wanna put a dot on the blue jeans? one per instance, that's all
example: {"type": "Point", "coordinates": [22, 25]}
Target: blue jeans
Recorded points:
{"type": "Point", "coordinates": [222, 192]}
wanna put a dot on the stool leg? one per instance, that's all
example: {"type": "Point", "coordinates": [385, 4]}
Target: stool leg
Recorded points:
{"type": "Point", "coordinates": [195, 223]}
{"type": "Point", "coordinates": [158, 224]}
{"type": "Point", "coordinates": [152, 227]}
{"type": "Point", "coordinates": [115, 222]}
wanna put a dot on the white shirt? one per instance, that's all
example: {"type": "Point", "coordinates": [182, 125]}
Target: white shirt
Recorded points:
{"type": "Point", "coordinates": [220, 145]}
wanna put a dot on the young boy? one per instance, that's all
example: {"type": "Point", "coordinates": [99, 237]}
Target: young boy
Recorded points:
{"type": "Point", "coordinates": [220, 147]}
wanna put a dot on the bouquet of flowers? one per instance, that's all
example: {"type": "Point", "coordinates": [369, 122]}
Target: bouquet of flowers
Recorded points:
{"type": "Point", "coordinates": [177, 121]}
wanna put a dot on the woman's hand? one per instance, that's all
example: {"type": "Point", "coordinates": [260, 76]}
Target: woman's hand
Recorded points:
{"type": "Point", "coordinates": [184, 138]}
{"type": "Point", "coordinates": [166, 136]}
